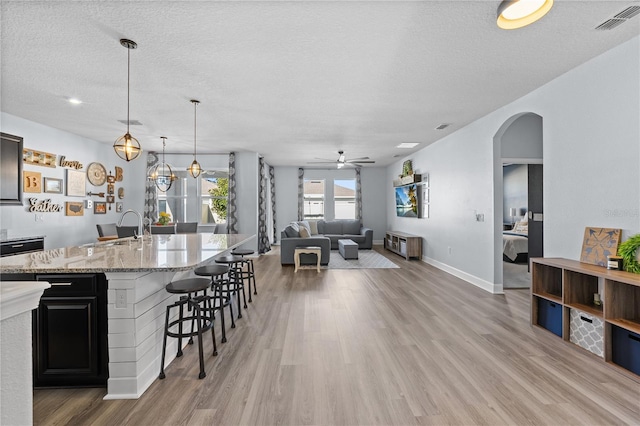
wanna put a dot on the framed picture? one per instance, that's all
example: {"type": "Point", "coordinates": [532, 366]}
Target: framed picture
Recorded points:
{"type": "Point", "coordinates": [111, 179]}
{"type": "Point", "coordinates": [118, 207]}
{"type": "Point", "coordinates": [99, 207]}
{"type": "Point", "coordinates": [76, 183]}
{"type": "Point", "coordinates": [74, 208]}
{"type": "Point", "coordinates": [111, 199]}
{"type": "Point", "coordinates": [52, 185]}
{"type": "Point", "coordinates": [110, 188]}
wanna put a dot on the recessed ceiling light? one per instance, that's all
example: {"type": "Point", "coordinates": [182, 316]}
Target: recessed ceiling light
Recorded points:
{"type": "Point", "coordinates": [408, 145]}
{"type": "Point", "coordinates": [514, 14]}
{"type": "Point", "coordinates": [74, 101]}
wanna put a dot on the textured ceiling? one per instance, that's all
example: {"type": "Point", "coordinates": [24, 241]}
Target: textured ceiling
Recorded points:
{"type": "Point", "coordinates": [290, 80]}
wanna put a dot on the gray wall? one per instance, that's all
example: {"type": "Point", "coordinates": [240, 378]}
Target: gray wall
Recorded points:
{"type": "Point", "coordinates": [523, 139]}
{"type": "Point", "coordinates": [61, 230]}
{"type": "Point", "coordinates": [515, 182]}
{"type": "Point", "coordinates": [591, 175]}
{"type": "Point", "coordinates": [373, 204]}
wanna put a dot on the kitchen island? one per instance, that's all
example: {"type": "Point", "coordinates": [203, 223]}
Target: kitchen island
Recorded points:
{"type": "Point", "coordinates": [136, 272]}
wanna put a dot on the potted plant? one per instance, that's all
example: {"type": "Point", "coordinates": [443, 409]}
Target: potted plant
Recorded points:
{"type": "Point", "coordinates": [164, 218]}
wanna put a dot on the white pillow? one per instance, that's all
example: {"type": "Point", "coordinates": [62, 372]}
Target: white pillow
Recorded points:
{"type": "Point", "coordinates": [304, 232]}
{"type": "Point", "coordinates": [313, 226]}
{"type": "Point", "coordinates": [521, 227]}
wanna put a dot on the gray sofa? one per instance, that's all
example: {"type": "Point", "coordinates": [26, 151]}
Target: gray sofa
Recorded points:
{"type": "Point", "coordinates": [329, 232]}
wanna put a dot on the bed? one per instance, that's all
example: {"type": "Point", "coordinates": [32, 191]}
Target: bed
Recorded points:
{"type": "Point", "coordinates": [515, 243]}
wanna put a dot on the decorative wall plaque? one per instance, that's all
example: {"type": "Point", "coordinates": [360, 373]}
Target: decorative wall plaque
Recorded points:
{"type": "Point", "coordinates": [71, 164]}
{"type": "Point", "coordinates": [38, 158]}
{"type": "Point", "coordinates": [76, 183]}
{"type": "Point", "coordinates": [43, 206]}
{"type": "Point", "coordinates": [119, 175]}
{"type": "Point", "coordinates": [121, 193]}
{"type": "Point", "coordinates": [99, 207]}
{"type": "Point", "coordinates": [32, 182]}
{"type": "Point", "coordinates": [73, 208]}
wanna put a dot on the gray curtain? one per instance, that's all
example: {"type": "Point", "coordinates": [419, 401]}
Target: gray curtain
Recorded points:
{"type": "Point", "coordinates": [300, 194]}
{"type": "Point", "coordinates": [358, 195]}
{"type": "Point", "coordinates": [263, 236]}
{"type": "Point", "coordinates": [272, 178]}
{"type": "Point", "coordinates": [232, 218]}
{"type": "Point", "coordinates": [150, 192]}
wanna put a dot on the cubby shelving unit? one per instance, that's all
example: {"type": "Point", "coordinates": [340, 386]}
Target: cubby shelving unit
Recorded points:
{"type": "Point", "coordinates": [568, 285]}
{"type": "Point", "coordinates": [405, 245]}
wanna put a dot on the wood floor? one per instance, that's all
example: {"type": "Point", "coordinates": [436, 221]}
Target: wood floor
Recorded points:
{"type": "Point", "coordinates": [375, 347]}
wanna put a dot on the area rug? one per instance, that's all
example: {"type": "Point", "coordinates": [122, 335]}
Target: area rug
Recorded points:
{"type": "Point", "coordinates": [367, 259]}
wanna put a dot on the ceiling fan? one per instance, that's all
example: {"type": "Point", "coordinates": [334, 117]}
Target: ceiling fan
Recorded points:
{"type": "Point", "coordinates": [342, 161]}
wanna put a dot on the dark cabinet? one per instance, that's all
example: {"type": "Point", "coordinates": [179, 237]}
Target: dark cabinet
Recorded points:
{"type": "Point", "coordinates": [70, 332]}
{"type": "Point", "coordinates": [26, 245]}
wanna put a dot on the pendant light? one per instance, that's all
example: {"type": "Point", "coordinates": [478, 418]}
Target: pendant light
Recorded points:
{"type": "Point", "coordinates": [195, 169]}
{"type": "Point", "coordinates": [513, 14]}
{"type": "Point", "coordinates": [162, 174]}
{"type": "Point", "coordinates": [127, 147]}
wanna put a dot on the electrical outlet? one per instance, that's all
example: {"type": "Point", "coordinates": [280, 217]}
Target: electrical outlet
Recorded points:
{"type": "Point", "coordinates": [480, 217]}
{"type": "Point", "coordinates": [39, 218]}
{"type": "Point", "coordinates": [121, 299]}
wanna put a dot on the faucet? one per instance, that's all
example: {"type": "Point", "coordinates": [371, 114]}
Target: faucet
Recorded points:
{"type": "Point", "coordinates": [139, 221]}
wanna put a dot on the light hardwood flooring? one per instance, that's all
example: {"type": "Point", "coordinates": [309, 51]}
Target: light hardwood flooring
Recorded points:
{"type": "Point", "coordinates": [404, 346]}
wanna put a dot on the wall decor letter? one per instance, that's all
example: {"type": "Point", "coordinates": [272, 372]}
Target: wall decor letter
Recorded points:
{"type": "Point", "coordinates": [72, 164]}
{"type": "Point", "coordinates": [43, 206]}
{"type": "Point", "coordinates": [32, 182]}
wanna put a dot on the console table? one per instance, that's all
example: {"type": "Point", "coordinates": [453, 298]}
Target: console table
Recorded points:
{"type": "Point", "coordinates": [405, 245]}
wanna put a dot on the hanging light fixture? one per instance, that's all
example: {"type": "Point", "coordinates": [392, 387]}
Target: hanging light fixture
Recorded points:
{"type": "Point", "coordinates": [162, 174]}
{"type": "Point", "coordinates": [195, 169]}
{"type": "Point", "coordinates": [514, 14]}
{"type": "Point", "coordinates": [127, 147]}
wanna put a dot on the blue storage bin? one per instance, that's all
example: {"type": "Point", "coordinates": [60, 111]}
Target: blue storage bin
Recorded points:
{"type": "Point", "coordinates": [550, 316]}
{"type": "Point", "coordinates": [625, 350]}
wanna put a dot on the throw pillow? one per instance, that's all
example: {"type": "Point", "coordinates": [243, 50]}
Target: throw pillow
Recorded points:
{"type": "Point", "coordinates": [304, 224]}
{"type": "Point", "coordinates": [290, 232]}
{"type": "Point", "coordinates": [313, 226]}
{"type": "Point", "coordinates": [304, 233]}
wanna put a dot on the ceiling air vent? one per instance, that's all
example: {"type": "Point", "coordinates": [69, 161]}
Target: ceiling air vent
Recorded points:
{"type": "Point", "coordinates": [628, 13]}
{"type": "Point", "coordinates": [619, 18]}
{"type": "Point", "coordinates": [131, 122]}
{"type": "Point", "coordinates": [442, 126]}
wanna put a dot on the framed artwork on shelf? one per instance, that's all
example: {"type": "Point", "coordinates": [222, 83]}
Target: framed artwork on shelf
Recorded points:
{"type": "Point", "coordinates": [76, 183]}
{"type": "Point", "coordinates": [74, 208]}
{"type": "Point", "coordinates": [99, 207]}
{"type": "Point", "coordinates": [52, 185]}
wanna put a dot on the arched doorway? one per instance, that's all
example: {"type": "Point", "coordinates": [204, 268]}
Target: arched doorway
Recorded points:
{"type": "Point", "coordinates": [517, 142]}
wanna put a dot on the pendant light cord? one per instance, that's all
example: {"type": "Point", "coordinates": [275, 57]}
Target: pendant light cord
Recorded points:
{"type": "Point", "coordinates": [128, 84]}
{"type": "Point", "coordinates": [195, 127]}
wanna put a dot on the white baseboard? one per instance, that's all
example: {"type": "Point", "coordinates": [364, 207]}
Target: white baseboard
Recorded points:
{"type": "Point", "coordinates": [472, 279]}
{"type": "Point", "coordinates": [378, 242]}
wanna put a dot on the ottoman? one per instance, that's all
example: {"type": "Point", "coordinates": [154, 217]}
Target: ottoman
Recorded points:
{"type": "Point", "coordinates": [348, 249]}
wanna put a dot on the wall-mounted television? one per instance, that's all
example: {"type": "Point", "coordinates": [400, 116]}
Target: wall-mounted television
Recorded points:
{"type": "Point", "coordinates": [407, 201]}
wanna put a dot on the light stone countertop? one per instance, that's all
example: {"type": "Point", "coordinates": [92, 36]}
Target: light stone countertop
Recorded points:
{"type": "Point", "coordinates": [175, 252]}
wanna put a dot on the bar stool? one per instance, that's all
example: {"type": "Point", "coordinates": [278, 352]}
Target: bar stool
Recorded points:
{"type": "Point", "coordinates": [202, 321]}
{"type": "Point", "coordinates": [235, 282]}
{"type": "Point", "coordinates": [249, 274]}
{"type": "Point", "coordinates": [216, 272]}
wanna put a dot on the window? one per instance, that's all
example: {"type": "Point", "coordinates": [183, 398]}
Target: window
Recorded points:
{"type": "Point", "coordinates": [344, 198]}
{"type": "Point", "coordinates": [174, 201]}
{"type": "Point", "coordinates": [314, 198]}
{"type": "Point", "coordinates": [210, 204]}
{"type": "Point", "coordinates": [214, 192]}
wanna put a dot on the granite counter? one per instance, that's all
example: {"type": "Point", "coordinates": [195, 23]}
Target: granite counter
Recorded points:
{"type": "Point", "coordinates": [136, 271]}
